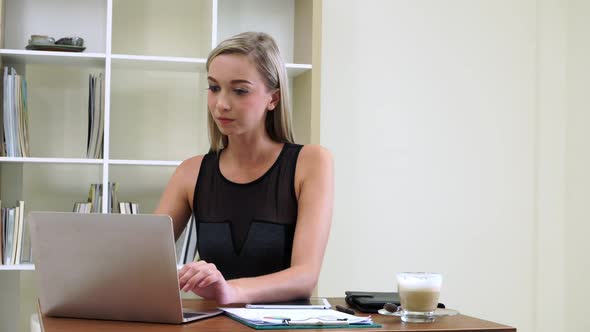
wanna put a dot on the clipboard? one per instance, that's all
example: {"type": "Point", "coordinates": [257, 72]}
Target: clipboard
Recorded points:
{"type": "Point", "coordinates": [279, 319]}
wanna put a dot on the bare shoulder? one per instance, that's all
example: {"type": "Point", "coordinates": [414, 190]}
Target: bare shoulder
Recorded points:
{"type": "Point", "coordinates": [314, 155]}
{"type": "Point", "coordinates": [186, 175]}
{"type": "Point", "coordinates": [191, 164]}
{"type": "Point", "coordinates": [314, 163]}
{"type": "Point", "coordinates": [188, 171]}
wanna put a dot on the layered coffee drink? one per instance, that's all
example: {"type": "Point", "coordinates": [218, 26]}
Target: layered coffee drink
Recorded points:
{"type": "Point", "coordinates": [419, 293]}
{"type": "Point", "coordinates": [419, 300]}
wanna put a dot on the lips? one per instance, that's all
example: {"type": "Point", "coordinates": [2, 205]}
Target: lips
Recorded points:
{"type": "Point", "coordinates": [225, 121]}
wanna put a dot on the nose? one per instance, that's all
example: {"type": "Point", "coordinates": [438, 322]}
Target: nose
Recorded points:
{"type": "Point", "coordinates": [222, 103]}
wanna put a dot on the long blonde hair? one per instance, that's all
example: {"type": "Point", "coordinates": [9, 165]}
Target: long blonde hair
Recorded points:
{"type": "Point", "coordinates": [264, 53]}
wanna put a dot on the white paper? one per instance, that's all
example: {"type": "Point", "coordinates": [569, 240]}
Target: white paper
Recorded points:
{"type": "Point", "coordinates": [277, 316]}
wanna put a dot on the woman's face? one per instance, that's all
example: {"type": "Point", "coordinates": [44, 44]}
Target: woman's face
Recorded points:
{"type": "Point", "coordinates": [238, 98]}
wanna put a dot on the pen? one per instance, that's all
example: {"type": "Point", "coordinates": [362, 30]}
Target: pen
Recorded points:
{"type": "Point", "coordinates": [344, 309]}
{"type": "Point", "coordinates": [277, 318]}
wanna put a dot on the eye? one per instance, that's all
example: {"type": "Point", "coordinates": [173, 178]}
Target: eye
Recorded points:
{"type": "Point", "coordinates": [213, 88]}
{"type": "Point", "coordinates": [241, 92]}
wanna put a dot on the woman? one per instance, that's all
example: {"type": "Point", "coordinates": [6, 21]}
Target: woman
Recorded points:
{"type": "Point", "coordinates": [262, 204]}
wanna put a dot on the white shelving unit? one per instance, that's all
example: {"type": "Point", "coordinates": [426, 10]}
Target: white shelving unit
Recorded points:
{"type": "Point", "coordinates": [50, 160]}
{"type": "Point", "coordinates": [24, 57]}
{"type": "Point", "coordinates": [152, 54]}
{"type": "Point", "coordinates": [20, 267]}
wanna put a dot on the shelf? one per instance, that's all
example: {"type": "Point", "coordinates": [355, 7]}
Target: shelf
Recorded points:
{"type": "Point", "coordinates": [144, 62]}
{"type": "Point", "coordinates": [295, 69]}
{"type": "Point", "coordinates": [50, 160]}
{"type": "Point", "coordinates": [144, 162]}
{"type": "Point", "coordinates": [20, 267]}
{"type": "Point", "coordinates": [31, 267]}
{"type": "Point", "coordinates": [25, 160]}
{"type": "Point", "coordinates": [10, 56]}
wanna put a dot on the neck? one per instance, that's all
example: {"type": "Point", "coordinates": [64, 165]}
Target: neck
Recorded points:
{"type": "Point", "coordinates": [253, 149]}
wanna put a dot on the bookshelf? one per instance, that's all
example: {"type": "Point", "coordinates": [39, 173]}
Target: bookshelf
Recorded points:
{"type": "Point", "coordinates": [152, 54]}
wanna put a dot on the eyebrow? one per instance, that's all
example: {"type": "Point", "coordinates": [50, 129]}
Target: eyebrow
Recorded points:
{"type": "Point", "coordinates": [232, 81]}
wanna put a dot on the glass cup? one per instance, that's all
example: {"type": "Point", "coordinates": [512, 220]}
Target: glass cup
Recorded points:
{"type": "Point", "coordinates": [418, 292]}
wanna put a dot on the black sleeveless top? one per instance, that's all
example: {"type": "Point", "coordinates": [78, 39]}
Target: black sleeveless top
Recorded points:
{"type": "Point", "coordinates": [247, 230]}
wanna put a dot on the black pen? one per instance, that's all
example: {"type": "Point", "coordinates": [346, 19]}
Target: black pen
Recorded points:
{"type": "Point", "coordinates": [344, 309]}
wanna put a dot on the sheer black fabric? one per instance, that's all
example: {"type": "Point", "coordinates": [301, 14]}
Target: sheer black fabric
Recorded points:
{"type": "Point", "coordinates": [247, 230]}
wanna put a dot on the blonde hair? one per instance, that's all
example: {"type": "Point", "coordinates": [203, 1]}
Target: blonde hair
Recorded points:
{"type": "Point", "coordinates": [264, 53]}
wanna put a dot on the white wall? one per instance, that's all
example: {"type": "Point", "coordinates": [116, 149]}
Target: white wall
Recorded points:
{"type": "Point", "coordinates": [449, 147]}
{"type": "Point", "coordinates": [578, 168]}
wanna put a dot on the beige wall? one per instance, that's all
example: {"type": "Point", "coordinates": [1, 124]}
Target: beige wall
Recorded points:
{"type": "Point", "coordinates": [450, 147]}
{"type": "Point", "coordinates": [578, 167]}
{"type": "Point", "coordinates": [461, 146]}
{"type": "Point", "coordinates": [550, 126]}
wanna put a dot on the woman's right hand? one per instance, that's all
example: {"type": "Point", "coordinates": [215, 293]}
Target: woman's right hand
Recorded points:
{"type": "Point", "coordinates": [205, 280]}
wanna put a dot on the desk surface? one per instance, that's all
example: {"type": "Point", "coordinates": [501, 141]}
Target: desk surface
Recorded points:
{"type": "Point", "coordinates": [222, 323]}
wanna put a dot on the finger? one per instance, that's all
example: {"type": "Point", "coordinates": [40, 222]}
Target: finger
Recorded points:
{"type": "Point", "coordinates": [189, 270]}
{"type": "Point", "coordinates": [185, 276]}
{"type": "Point", "coordinates": [195, 280]}
{"type": "Point", "coordinates": [210, 280]}
{"type": "Point", "coordinates": [204, 270]}
{"type": "Point", "coordinates": [191, 265]}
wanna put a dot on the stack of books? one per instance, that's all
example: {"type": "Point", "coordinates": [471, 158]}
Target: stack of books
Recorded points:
{"type": "Point", "coordinates": [82, 207]}
{"type": "Point", "coordinates": [14, 132]}
{"type": "Point", "coordinates": [95, 116]}
{"type": "Point", "coordinates": [15, 246]}
{"type": "Point", "coordinates": [128, 208]}
{"type": "Point", "coordinates": [94, 202]}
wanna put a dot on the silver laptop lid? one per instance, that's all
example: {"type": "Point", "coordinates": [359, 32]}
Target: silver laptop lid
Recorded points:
{"type": "Point", "coordinates": [106, 266]}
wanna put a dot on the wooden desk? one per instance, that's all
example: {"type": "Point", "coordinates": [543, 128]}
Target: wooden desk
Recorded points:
{"type": "Point", "coordinates": [222, 323]}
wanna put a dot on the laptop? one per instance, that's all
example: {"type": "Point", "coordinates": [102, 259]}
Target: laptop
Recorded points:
{"type": "Point", "coordinates": [108, 266]}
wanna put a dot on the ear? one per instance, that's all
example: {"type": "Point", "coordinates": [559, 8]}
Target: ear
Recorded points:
{"type": "Point", "coordinates": [275, 99]}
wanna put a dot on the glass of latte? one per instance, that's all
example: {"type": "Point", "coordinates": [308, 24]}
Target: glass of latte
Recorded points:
{"type": "Point", "coordinates": [418, 292]}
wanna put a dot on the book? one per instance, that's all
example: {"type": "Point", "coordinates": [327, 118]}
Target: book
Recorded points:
{"type": "Point", "coordinates": [17, 113]}
{"type": "Point", "coordinates": [2, 145]}
{"type": "Point", "coordinates": [8, 236]}
{"type": "Point", "coordinates": [7, 112]}
{"type": "Point", "coordinates": [15, 138]}
{"type": "Point", "coordinates": [21, 122]}
{"type": "Point", "coordinates": [24, 118]}
{"type": "Point", "coordinates": [114, 202]}
{"type": "Point", "coordinates": [19, 230]}
{"type": "Point", "coordinates": [15, 227]}
{"type": "Point", "coordinates": [100, 138]}
{"type": "Point", "coordinates": [26, 255]}
{"type": "Point", "coordinates": [1, 234]}
{"type": "Point", "coordinates": [134, 208]}
{"type": "Point", "coordinates": [95, 137]}
{"type": "Point", "coordinates": [89, 138]}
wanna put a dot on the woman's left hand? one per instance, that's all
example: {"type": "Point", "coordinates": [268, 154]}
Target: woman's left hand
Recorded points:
{"type": "Point", "coordinates": [205, 280]}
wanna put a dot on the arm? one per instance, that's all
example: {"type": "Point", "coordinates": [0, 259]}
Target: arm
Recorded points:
{"type": "Point", "coordinates": [315, 202]}
{"type": "Point", "coordinates": [176, 201]}
{"type": "Point", "coordinates": [314, 188]}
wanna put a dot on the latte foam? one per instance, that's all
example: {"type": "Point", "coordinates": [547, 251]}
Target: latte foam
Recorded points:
{"type": "Point", "coordinates": [419, 282]}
